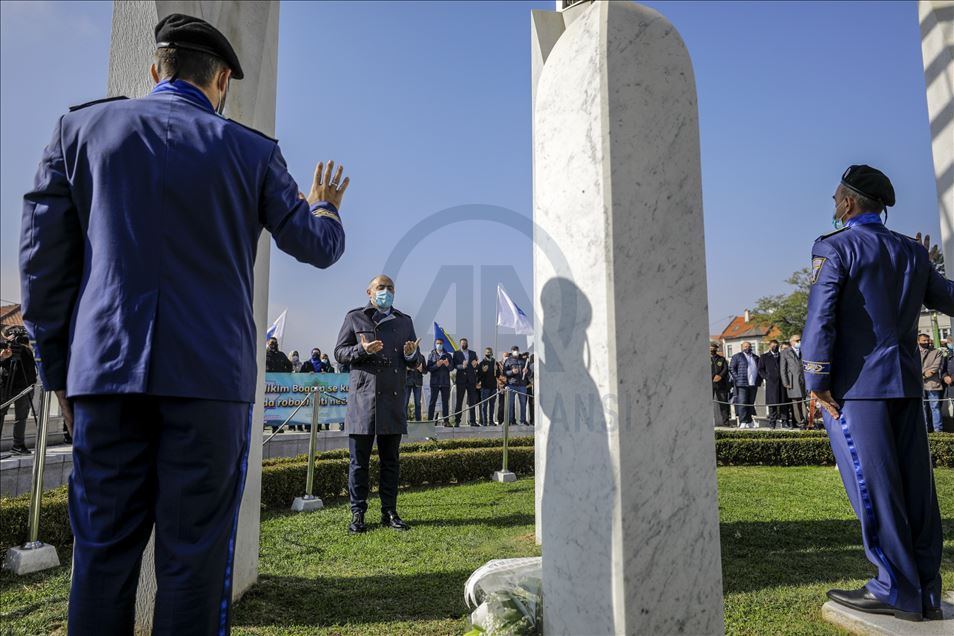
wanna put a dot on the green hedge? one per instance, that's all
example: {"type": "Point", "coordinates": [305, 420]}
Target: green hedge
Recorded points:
{"type": "Point", "coordinates": [452, 461]}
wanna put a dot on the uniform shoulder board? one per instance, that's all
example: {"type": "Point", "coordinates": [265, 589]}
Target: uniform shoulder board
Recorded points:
{"type": "Point", "coordinates": [257, 132]}
{"type": "Point", "coordinates": [830, 234]}
{"type": "Point", "coordinates": [97, 101]}
{"type": "Point", "coordinates": [905, 236]}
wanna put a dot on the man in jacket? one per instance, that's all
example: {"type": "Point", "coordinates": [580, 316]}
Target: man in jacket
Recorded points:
{"type": "Point", "coordinates": [719, 372]}
{"type": "Point", "coordinates": [744, 368]}
{"type": "Point", "coordinates": [487, 373]}
{"type": "Point", "coordinates": [770, 373]}
{"type": "Point", "coordinates": [145, 216]}
{"type": "Point", "coordinates": [868, 285]}
{"type": "Point", "coordinates": [931, 361]}
{"type": "Point", "coordinates": [414, 383]}
{"type": "Point", "coordinates": [465, 361]}
{"type": "Point", "coordinates": [317, 363]}
{"type": "Point", "coordinates": [793, 379]}
{"type": "Point", "coordinates": [439, 364]}
{"type": "Point", "coordinates": [379, 343]}
{"type": "Point", "coordinates": [275, 360]}
{"type": "Point", "coordinates": [514, 369]}
{"type": "Point", "coordinates": [17, 373]}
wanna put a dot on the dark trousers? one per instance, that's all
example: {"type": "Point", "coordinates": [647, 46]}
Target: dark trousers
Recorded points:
{"type": "Point", "coordinates": [500, 405]}
{"type": "Point", "coordinates": [444, 393]}
{"type": "Point", "coordinates": [745, 403]}
{"type": "Point", "coordinates": [488, 397]}
{"type": "Point", "coordinates": [21, 410]}
{"type": "Point", "coordinates": [720, 405]}
{"type": "Point", "coordinates": [179, 464]}
{"type": "Point", "coordinates": [358, 471]}
{"type": "Point", "coordinates": [881, 449]}
{"type": "Point", "coordinates": [471, 392]}
{"type": "Point", "coordinates": [414, 391]}
{"type": "Point", "coordinates": [518, 392]}
{"type": "Point", "coordinates": [530, 404]}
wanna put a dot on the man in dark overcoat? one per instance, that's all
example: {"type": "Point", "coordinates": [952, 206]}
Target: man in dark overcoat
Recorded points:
{"type": "Point", "coordinates": [770, 372]}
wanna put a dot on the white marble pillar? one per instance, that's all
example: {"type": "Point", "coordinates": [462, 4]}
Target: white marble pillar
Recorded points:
{"type": "Point", "coordinates": [252, 28]}
{"type": "Point", "coordinates": [937, 50]}
{"type": "Point", "coordinates": [629, 515]}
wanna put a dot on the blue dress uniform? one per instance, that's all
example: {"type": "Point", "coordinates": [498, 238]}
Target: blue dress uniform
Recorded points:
{"type": "Point", "coordinates": [859, 343]}
{"type": "Point", "coordinates": [137, 252]}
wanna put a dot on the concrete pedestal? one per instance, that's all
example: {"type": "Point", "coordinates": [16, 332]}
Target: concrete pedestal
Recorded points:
{"type": "Point", "coordinates": [504, 476]}
{"type": "Point", "coordinates": [629, 515]}
{"type": "Point", "coordinates": [855, 622]}
{"type": "Point", "coordinates": [307, 504]}
{"type": "Point", "coordinates": [22, 560]}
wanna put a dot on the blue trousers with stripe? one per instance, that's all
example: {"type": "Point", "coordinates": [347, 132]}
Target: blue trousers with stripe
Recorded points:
{"type": "Point", "coordinates": [882, 453]}
{"type": "Point", "coordinates": [178, 464]}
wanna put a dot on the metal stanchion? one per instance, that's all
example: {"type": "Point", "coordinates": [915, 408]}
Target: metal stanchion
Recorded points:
{"type": "Point", "coordinates": [35, 555]}
{"type": "Point", "coordinates": [504, 475]}
{"type": "Point", "coordinates": [310, 502]}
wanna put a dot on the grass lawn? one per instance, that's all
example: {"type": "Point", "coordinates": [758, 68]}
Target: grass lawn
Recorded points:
{"type": "Point", "coordinates": [788, 535]}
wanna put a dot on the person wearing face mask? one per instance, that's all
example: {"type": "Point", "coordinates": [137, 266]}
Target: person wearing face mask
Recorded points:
{"type": "Point", "coordinates": [144, 216]}
{"type": "Point", "coordinates": [439, 365]}
{"type": "Point", "coordinates": [317, 363]}
{"type": "Point", "coordinates": [379, 343]}
{"type": "Point", "coordinates": [296, 363]}
{"type": "Point", "coordinates": [744, 368]}
{"type": "Point", "coordinates": [465, 361]}
{"type": "Point", "coordinates": [770, 372]}
{"type": "Point", "coordinates": [793, 379]}
{"type": "Point", "coordinates": [487, 373]}
{"type": "Point", "coordinates": [861, 364]}
{"type": "Point", "coordinates": [514, 370]}
{"type": "Point", "coordinates": [719, 371]}
{"type": "Point", "coordinates": [275, 360]}
{"type": "Point", "coordinates": [931, 362]}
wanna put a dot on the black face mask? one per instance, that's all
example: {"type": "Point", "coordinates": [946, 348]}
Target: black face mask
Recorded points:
{"type": "Point", "coordinates": [488, 355]}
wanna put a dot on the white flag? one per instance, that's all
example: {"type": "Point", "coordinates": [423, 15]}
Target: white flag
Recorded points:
{"type": "Point", "coordinates": [277, 330]}
{"type": "Point", "coordinates": [509, 315]}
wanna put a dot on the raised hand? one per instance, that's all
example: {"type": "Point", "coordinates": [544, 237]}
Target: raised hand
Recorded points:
{"type": "Point", "coordinates": [371, 347]}
{"type": "Point", "coordinates": [411, 346]}
{"type": "Point", "coordinates": [326, 187]}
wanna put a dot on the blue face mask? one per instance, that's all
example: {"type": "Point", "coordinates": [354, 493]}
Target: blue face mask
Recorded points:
{"type": "Point", "coordinates": [383, 299]}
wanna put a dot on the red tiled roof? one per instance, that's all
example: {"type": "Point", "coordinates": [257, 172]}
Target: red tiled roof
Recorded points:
{"type": "Point", "coordinates": [10, 315]}
{"type": "Point", "coordinates": [738, 328]}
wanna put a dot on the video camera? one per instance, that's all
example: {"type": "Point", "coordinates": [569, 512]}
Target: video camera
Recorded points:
{"type": "Point", "coordinates": [14, 338]}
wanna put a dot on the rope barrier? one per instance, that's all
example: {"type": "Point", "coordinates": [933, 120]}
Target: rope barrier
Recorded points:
{"type": "Point", "coordinates": [714, 401]}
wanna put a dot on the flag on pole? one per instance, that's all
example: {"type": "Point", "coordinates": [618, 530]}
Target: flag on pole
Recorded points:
{"type": "Point", "coordinates": [439, 334]}
{"type": "Point", "coordinates": [277, 330]}
{"type": "Point", "coordinates": [509, 315]}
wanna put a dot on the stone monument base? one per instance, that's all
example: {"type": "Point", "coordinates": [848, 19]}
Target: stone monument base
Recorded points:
{"type": "Point", "coordinates": [22, 560]}
{"type": "Point", "coordinates": [504, 476]}
{"type": "Point", "coordinates": [864, 624]}
{"type": "Point", "coordinates": [307, 504]}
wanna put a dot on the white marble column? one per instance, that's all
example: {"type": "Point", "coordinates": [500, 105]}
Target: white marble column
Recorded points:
{"type": "Point", "coordinates": [629, 515]}
{"type": "Point", "coordinates": [252, 28]}
{"type": "Point", "coordinates": [937, 50]}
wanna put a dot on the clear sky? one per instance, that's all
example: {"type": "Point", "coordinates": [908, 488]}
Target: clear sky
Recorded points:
{"type": "Point", "coordinates": [428, 107]}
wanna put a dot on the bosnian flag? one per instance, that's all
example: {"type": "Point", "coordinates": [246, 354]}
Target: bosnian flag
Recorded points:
{"type": "Point", "coordinates": [509, 315]}
{"type": "Point", "coordinates": [277, 330]}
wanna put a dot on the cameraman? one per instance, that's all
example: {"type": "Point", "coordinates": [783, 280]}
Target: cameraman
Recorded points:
{"type": "Point", "coordinates": [17, 372]}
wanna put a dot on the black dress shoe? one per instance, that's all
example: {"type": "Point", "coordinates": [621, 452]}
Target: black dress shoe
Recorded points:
{"type": "Point", "coordinates": [390, 519]}
{"type": "Point", "coordinates": [864, 601]}
{"type": "Point", "coordinates": [357, 523]}
{"type": "Point", "coordinates": [933, 614]}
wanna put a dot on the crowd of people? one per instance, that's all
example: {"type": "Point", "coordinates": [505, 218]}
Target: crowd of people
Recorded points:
{"type": "Point", "coordinates": [479, 383]}
{"type": "Point", "coordinates": [736, 382]}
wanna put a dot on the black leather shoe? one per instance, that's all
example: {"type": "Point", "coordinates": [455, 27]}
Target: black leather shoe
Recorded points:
{"type": "Point", "coordinates": [864, 601]}
{"type": "Point", "coordinates": [933, 614]}
{"type": "Point", "coordinates": [390, 519]}
{"type": "Point", "coordinates": [357, 523]}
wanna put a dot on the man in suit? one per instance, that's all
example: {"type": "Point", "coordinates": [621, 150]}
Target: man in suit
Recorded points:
{"type": "Point", "coordinates": [487, 373]}
{"type": "Point", "coordinates": [793, 379]}
{"type": "Point", "coordinates": [861, 364]}
{"type": "Point", "coordinates": [379, 343]}
{"type": "Point", "coordinates": [719, 371]}
{"type": "Point", "coordinates": [137, 250]}
{"type": "Point", "coordinates": [439, 363]}
{"type": "Point", "coordinates": [770, 372]}
{"type": "Point", "coordinates": [744, 368]}
{"type": "Point", "coordinates": [465, 361]}
{"type": "Point", "coordinates": [414, 383]}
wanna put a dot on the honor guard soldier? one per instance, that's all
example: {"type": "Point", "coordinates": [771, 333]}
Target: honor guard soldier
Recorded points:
{"type": "Point", "coordinates": [859, 353]}
{"type": "Point", "coordinates": [137, 252]}
{"type": "Point", "coordinates": [379, 344]}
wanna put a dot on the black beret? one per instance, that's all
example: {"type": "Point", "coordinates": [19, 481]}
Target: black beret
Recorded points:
{"type": "Point", "coordinates": [186, 32]}
{"type": "Point", "coordinates": [869, 182]}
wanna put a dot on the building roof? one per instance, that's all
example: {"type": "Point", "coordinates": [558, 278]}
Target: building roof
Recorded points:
{"type": "Point", "coordinates": [742, 328]}
{"type": "Point", "coordinates": [10, 315]}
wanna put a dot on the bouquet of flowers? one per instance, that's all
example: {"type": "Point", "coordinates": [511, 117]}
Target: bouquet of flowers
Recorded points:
{"type": "Point", "coordinates": [508, 596]}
